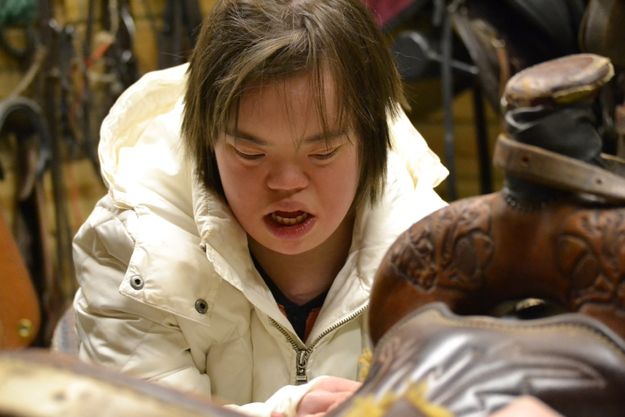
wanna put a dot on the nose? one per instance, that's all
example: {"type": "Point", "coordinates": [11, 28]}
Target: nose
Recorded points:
{"type": "Point", "coordinates": [287, 177]}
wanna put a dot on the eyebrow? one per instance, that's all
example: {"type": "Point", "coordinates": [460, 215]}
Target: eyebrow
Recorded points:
{"type": "Point", "coordinates": [322, 136]}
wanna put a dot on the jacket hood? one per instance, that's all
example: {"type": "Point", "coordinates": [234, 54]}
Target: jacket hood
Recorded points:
{"type": "Point", "coordinates": [141, 155]}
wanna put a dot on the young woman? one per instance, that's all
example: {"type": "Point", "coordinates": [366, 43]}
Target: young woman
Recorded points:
{"type": "Point", "coordinates": [251, 197]}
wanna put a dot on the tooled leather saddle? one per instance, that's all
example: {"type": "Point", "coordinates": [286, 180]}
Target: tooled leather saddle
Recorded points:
{"type": "Point", "coordinates": [520, 292]}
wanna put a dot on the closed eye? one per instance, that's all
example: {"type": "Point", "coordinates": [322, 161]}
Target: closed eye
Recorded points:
{"type": "Point", "coordinates": [249, 156]}
{"type": "Point", "coordinates": [322, 156]}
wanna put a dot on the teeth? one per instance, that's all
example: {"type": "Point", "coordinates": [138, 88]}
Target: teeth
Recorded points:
{"type": "Point", "coordinates": [289, 221]}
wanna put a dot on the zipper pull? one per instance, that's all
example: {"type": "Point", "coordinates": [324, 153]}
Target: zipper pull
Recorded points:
{"type": "Point", "coordinates": [301, 361]}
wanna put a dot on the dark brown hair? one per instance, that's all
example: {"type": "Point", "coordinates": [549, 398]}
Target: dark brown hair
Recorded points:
{"type": "Point", "coordinates": [244, 43]}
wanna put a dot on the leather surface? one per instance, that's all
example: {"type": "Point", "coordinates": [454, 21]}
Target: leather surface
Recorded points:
{"type": "Point", "coordinates": [480, 252]}
{"type": "Point", "coordinates": [472, 366]}
{"type": "Point", "coordinates": [18, 301]}
{"type": "Point", "coordinates": [580, 76]}
{"type": "Point", "coordinates": [38, 383]}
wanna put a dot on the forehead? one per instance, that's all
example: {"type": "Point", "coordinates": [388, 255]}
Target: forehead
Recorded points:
{"type": "Point", "coordinates": [302, 101]}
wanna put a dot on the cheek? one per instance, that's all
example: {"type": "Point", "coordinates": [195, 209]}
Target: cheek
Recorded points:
{"type": "Point", "coordinates": [237, 181]}
{"type": "Point", "coordinates": [351, 172]}
{"type": "Point", "coordinates": [341, 184]}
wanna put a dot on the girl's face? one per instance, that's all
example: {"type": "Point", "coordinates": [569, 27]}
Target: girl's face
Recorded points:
{"type": "Point", "coordinates": [289, 182]}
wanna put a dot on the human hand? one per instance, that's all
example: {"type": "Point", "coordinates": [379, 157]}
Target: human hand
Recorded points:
{"type": "Point", "coordinates": [524, 407]}
{"type": "Point", "coordinates": [324, 396]}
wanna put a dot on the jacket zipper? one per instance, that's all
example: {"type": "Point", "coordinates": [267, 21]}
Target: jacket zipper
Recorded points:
{"type": "Point", "coordinates": [302, 353]}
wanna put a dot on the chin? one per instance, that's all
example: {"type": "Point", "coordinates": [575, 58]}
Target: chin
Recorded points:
{"type": "Point", "coordinates": [290, 247]}
{"type": "Point", "coordinates": [290, 250]}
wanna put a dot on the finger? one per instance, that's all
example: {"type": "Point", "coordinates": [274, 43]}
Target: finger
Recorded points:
{"type": "Point", "coordinates": [336, 384]}
{"type": "Point", "coordinates": [321, 402]}
{"type": "Point", "coordinates": [340, 398]}
{"type": "Point", "coordinates": [315, 402]}
{"type": "Point", "coordinates": [526, 406]}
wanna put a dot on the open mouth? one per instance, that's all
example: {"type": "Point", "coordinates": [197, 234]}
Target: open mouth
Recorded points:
{"type": "Point", "coordinates": [290, 225]}
{"type": "Point", "coordinates": [289, 218]}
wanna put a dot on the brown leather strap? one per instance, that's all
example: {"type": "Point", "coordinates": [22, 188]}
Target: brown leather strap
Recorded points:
{"type": "Point", "coordinates": [550, 168]}
{"type": "Point", "coordinates": [19, 308]}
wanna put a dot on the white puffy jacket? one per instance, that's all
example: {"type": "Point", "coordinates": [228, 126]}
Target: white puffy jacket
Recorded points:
{"type": "Point", "coordinates": [168, 291]}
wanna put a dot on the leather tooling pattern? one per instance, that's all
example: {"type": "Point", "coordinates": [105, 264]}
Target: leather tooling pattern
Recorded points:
{"type": "Point", "coordinates": [456, 258]}
{"type": "Point", "coordinates": [591, 254]}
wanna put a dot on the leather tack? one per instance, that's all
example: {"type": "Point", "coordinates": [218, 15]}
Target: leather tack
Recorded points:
{"type": "Point", "coordinates": [555, 170]}
{"type": "Point", "coordinates": [18, 298]}
{"type": "Point", "coordinates": [570, 361]}
{"type": "Point", "coordinates": [201, 306]}
{"type": "Point", "coordinates": [136, 282]}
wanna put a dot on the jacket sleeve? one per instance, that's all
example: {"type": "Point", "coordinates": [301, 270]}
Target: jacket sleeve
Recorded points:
{"type": "Point", "coordinates": [115, 330]}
